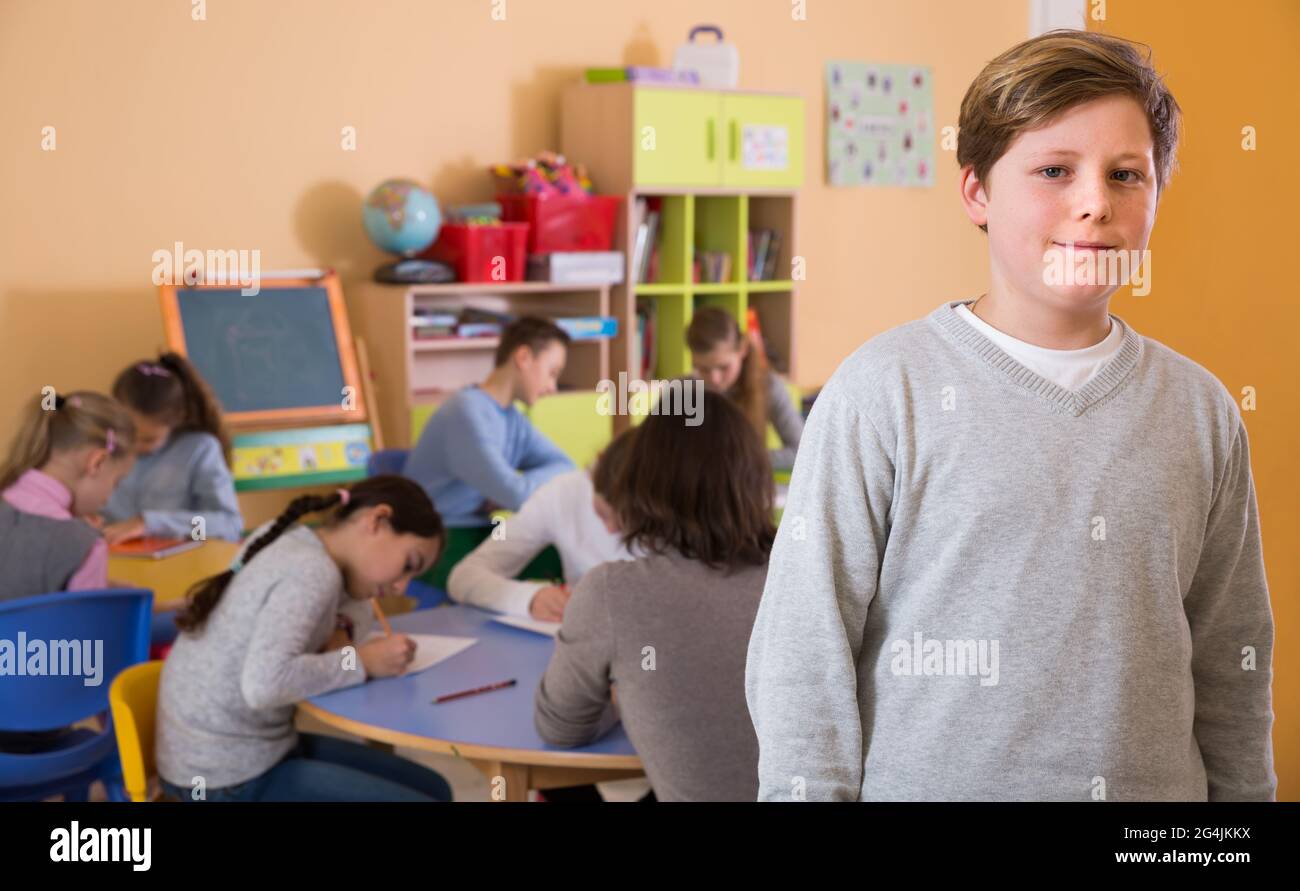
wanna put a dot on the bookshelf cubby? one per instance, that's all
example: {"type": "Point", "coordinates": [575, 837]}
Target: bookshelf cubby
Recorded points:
{"type": "Point", "coordinates": [720, 223]}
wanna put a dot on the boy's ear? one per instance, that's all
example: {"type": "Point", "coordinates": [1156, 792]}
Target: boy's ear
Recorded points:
{"type": "Point", "coordinates": [974, 198]}
{"type": "Point", "coordinates": [521, 355]}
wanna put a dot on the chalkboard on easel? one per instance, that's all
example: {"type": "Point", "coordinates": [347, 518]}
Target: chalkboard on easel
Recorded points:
{"type": "Point", "coordinates": [283, 356]}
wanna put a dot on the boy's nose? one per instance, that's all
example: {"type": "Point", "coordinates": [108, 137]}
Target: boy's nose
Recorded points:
{"type": "Point", "coordinates": [1093, 202]}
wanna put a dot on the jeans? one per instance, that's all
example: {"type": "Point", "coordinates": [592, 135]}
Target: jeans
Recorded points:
{"type": "Point", "coordinates": [323, 768]}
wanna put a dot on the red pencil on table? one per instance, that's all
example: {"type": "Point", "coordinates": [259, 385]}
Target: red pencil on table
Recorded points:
{"type": "Point", "coordinates": [490, 687]}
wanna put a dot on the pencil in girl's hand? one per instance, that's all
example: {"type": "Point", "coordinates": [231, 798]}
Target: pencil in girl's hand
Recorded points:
{"type": "Point", "coordinates": [379, 614]}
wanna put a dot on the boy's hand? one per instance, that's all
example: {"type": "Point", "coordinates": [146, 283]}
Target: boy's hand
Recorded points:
{"type": "Point", "coordinates": [549, 602]}
{"type": "Point", "coordinates": [124, 531]}
{"type": "Point", "coordinates": [388, 656]}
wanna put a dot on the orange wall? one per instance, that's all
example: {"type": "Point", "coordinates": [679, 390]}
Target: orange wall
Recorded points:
{"type": "Point", "coordinates": [224, 134]}
{"type": "Point", "coordinates": [1221, 293]}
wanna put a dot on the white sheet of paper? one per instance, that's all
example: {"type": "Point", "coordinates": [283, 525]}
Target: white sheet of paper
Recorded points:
{"type": "Point", "coordinates": [528, 623]}
{"type": "Point", "coordinates": [430, 649]}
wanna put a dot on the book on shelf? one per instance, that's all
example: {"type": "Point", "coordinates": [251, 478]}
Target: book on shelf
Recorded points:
{"type": "Point", "coordinates": [645, 242]}
{"type": "Point", "coordinates": [764, 247]}
{"type": "Point", "coordinates": [587, 327]}
{"type": "Point", "coordinates": [711, 267]}
{"type": "Point", "coordinates": [431, 323]}
{"type": "Point", "coordinates": [769, 262]}
{"type": "Point", "coordinates": [479, 329]}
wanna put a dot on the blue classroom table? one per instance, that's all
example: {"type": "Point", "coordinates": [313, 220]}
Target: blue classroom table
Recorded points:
{"type": "Point", "coordinates": [492, 730]}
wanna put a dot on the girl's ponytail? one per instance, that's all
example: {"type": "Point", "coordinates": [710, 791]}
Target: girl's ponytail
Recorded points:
{"type": "Point", "coordinates": [52, 423]}
{"type": "Point", "coordinates": [412, 512]}
{"type": "Point", "coordinates": [172, 390]}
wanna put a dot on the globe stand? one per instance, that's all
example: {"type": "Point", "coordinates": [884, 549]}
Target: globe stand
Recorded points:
{"type": "Point", "coordinates": [415, 272]}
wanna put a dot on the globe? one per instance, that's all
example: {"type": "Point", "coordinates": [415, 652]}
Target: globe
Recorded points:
{"type": "Point", "coordinates": [401, 217]}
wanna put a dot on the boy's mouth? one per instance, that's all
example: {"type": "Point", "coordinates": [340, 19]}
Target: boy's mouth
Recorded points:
{"type": "Point", "coordinates": [1085, 245]}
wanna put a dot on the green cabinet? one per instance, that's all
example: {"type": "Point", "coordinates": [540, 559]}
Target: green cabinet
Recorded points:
{"type": "Point", "coordinates": [675, 138]}
{"type": "Point", "coordinates": [701, 138]}
{"type": "Point", "coordinates": [764, 141]}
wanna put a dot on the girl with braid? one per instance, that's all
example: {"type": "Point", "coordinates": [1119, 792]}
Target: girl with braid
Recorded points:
{"type": "Point", "coordinates": [270, 632]}
{"type": "Point", "coordinates": [183, 471]}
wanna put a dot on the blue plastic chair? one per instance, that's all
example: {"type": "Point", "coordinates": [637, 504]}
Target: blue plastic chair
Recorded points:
{"type": "Point", "coordinates": [118, 618]}
{"type": "Point", "coordinates": [386, 461]}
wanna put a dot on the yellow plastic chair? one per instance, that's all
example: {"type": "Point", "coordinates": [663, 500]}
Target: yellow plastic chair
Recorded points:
{"type": "Point", "coordinates": [133, 698]}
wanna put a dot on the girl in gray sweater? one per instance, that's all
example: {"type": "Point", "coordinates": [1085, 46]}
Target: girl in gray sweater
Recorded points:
{"type": "Point", "coordinates": [669, 631]}
{"type": "Point", "coordinates": [269, 632]}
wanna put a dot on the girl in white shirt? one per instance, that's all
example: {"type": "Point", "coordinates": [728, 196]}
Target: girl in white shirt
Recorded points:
{"type": "Point", "coordinates": [569, 512]}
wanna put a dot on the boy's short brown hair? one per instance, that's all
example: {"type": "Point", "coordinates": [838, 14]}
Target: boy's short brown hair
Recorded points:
{"type": "Point", "coordinates": [530, 331]}
{"type": "Point", "coordinates": [1034, 82]}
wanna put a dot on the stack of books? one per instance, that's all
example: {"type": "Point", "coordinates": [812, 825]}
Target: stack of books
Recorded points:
{"type": "Point", "coordinates": [433, 322]}
{"type": "Point", "coordinates": [712, 266]}
{"type": "Point", "coordinates": [764, 247]}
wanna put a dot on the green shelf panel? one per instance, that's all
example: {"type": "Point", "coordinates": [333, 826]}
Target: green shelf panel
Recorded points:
{"type": "Point", "coordinates": [672, 316]}
{"type": "Point", "coordinates": [720, 226]}
{"type": "Point", "coordinates": [675, 223]}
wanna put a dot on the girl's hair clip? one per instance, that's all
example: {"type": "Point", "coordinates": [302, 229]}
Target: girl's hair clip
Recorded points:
{"type": "Point", "coordinates": [344, 496]}
{"type": "Point", "coordinates": [150, 368]}
{"type": "Point", "coordinates": [110, 440]}
{"type": "Point", "coordinates": [236, 565]}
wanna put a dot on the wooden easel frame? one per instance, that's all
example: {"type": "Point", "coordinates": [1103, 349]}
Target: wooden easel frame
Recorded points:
{"type": "Point", "coordinates": [286, 417]}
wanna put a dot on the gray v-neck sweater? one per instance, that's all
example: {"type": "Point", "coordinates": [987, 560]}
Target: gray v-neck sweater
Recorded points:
{"type": "Point", "coordinates": [987, 587]}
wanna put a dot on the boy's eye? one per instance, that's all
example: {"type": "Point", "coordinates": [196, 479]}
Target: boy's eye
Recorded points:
{"type": "Point", "coordinates": [1133, 175]}
{"type": "Point", "coordinates": [1047, 170]}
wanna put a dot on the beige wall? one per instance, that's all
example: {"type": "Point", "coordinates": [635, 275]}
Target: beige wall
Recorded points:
{"type": "Point", "coordinates": [225, 134]}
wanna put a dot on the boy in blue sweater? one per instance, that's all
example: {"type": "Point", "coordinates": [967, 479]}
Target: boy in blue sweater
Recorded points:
{"type": "Point", "coordinates": [478, 453]}
{"type": "Point", "coordinates": [1020, 558]}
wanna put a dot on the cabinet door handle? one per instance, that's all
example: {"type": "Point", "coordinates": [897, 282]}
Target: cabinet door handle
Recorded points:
{"type": "Point", "coordinates": [732, 150]}
{"type": "Point", "coordinates": [709, 139]}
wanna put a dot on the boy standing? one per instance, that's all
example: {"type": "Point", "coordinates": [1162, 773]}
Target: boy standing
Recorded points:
{"type": "Point", "coordinates": [1021, 557]}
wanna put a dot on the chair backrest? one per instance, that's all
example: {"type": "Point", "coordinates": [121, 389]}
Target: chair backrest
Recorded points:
{"type": "Point", "coordinates": [386, 461]}
{"type": "Point", "coordinates": [134, 699]}
{"type": "Point", "coordinates": [60, 652]}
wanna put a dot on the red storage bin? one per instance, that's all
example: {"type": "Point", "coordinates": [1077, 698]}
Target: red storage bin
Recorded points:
{"type": "Point", "coordinates": [472, 250]}
{"type": "Point", "coordinates": [564, 222]}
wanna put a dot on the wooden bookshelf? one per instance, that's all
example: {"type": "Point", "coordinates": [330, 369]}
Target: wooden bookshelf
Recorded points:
{"type": "Point", "coordinates": [709, 200]}
{"type": "Point", "coordinates": [415, 374]}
